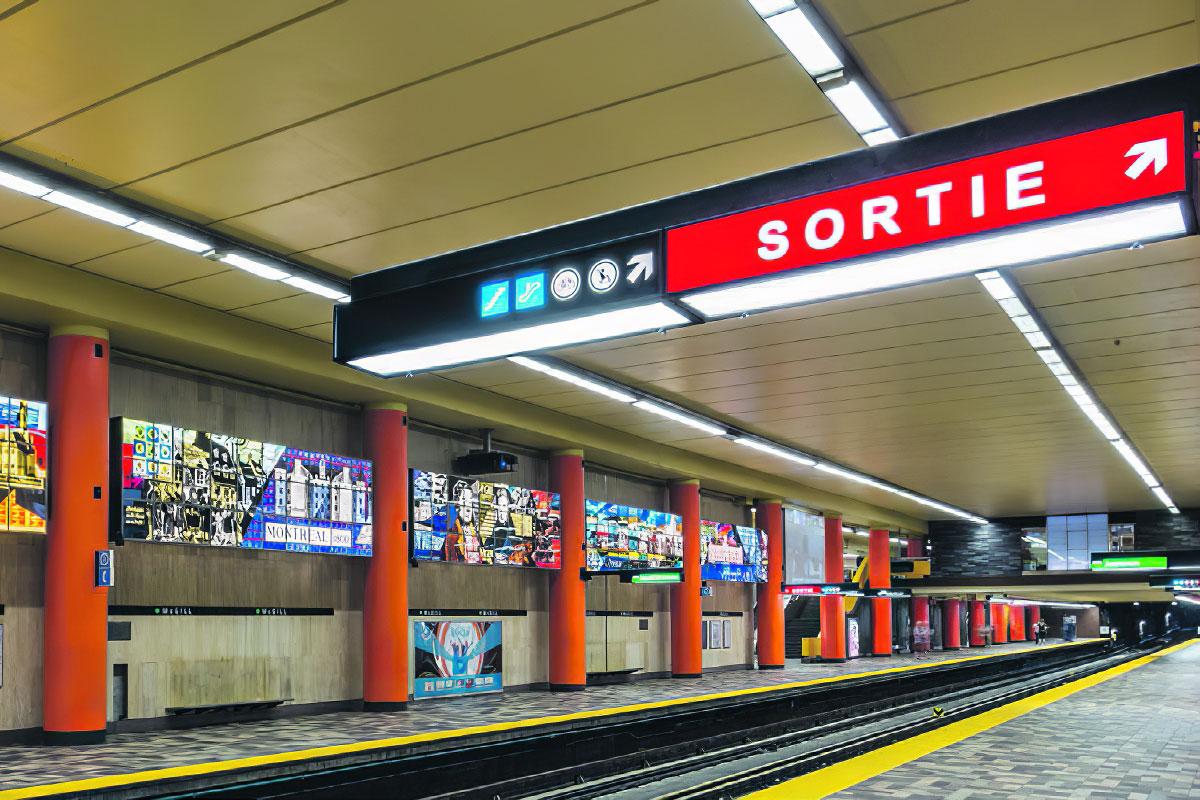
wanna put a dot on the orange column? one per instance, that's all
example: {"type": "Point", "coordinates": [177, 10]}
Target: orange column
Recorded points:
{"type": "Point", "coordinates": [977, 622]}
{"type": "Point", "coordinates": [385, 605]}
{"type": "Point", "coordinates": [1016, 624]}
{"type": "Point", "coordinates": [1035, 616]}
{"type": "Point", "coordinates": [833, 609]}
{"type": "Point", "coordinates": [75, 634]}
{"type": "Point", "coordinates": [952, 633]}
{"type": "Point", "coordinates": [568, 607]}
{"type": "Point", "coordinates": [999, 623]}
{"type": "Point", "coordinates": [879, 570]}
{"type": "Point", "coordinates": [769, 516]}
{"type": "Point", "coordinates": [686, 649]}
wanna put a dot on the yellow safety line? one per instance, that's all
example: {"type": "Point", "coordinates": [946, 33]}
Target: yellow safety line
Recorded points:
{"type": "Point", "coordinates": [837, 777]}
{"type": "Point", "coordinates": [211, 767]}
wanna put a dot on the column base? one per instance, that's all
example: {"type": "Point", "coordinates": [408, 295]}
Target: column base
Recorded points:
{"type": "Point", "coordinates": [686, 675]}
{"type": "Point", "coordinates": [770, 666]}
{"type": "Point", "coordinates": [567, 687]}
{"type": "Point", "coordinates": [824, 660]}
{"type": "Point", "coordinates": [376, 707]}
{"type": "Point", "coordinates": [881, 655]}
{"type": "Point", "coordinates": [59, 738]}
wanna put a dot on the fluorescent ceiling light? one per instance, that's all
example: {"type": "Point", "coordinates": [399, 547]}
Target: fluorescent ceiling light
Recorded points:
{"type": "Point", "coordinates": [774, 450]}
{"type": "Point", "coordinates": [1172, 509]}
{"type": "Point", "coordinates": [766, 8]}
{"type": "Point", "coordinates": [605, 325]}
{"type": "Point", "coordinates": [1013, 306]}
{"type": "Point", "coordinates": [1037, 339]}
{"type": "Point", "coordinates": [805, 42]}
{"type": "Point", "coordinates": [1025, 324]}
{"type": "Point", "coordinates": [254, 267]}
{"type": "Point", "coordinates": [1055, 240]}
{"type": "Point", "coordinates": [314, 287]}
{"type": "Point", "coordinates": [90, 209]}
{"type": "Point", "coordinates": [23, 186]}
{"type": "Point", "coordinates": [683, 419]}
{"type": "Point", "coordinates": [574, 379]}
{"type": "Point", "coordinates": [1131, 457]}
{"type": "Point", "coordinates": [849, 475]}
{"type": "Point", "coordinates": [1162, 496]}
{"type": "Point", "coordinates": [882, 136]}
{"type": "Point", "coordinates": [170, 237]}
{"type": "Point", "coordinates": [856, 107]}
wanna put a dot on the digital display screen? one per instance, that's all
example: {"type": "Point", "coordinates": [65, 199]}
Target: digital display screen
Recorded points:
{"type": "Point", "coordinates": [732, 552]}
{"type": "Point", "coordinates": [194, 487]}
{"type": "Point", "coordinates": [22, 466]}
{"type": "Point", "coordinates": [469, 521]}
{"type": "Point", "coordinates": [623, 538]}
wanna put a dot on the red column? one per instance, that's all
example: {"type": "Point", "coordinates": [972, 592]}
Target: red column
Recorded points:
{"type": "Point", "coordinates": [879, 569]}
{"type": "Point", "coordinates": [568, 606]}
{"type": "Point", "coordinates": [977, 623]}
{"type": "Point", "coordinates": [1035, 616]}
{"type": "Point", "coordinates": [385, 603]}
{"type": "Point", "coordinates": [999, 623]}
{"type": "Point", "coordinates": [769, 517]}
{"type": "Point", "coordinates": [914, 547]}
{"type": "Point", "coordinates": [686, 648]}
{"type": "Point", "coordinates": [75, 637]}
{"type": "Point", "coordinates": [833, 609]}
{"type": "Point", "coordinates": [951, 635]}
{"type": "Point", "coordinates": [1016, 624]}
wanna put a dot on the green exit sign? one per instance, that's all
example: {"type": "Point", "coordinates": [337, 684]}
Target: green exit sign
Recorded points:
{"type": "Point", "coordinates": [1129, 562]}
{"type": "Point", "coordinates": [658, 577]}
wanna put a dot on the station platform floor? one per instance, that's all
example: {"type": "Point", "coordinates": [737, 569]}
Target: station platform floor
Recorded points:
{"type": "Point", "coordinates": [1132, 736]}
{"type": "Point", "coordinates": [131, 759]}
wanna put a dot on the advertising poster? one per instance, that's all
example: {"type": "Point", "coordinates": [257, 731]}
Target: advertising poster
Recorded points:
{"type": "Point", "coordinates": [22, 466]}
{"type": "Point", "coordinates": [470, 521]}
{"type": "Point", "coordinates": [628, 538]}
{"type": "Point", "coordinates": [194, 487]}
{"type": "Point", "coordinates": [457, 657]}
{"type": "Point", "coordinates": [732, 552]}
{"type": "Point", "coordinates": [804, 548]}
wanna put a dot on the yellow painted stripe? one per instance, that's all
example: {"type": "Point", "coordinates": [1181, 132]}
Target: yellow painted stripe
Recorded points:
{"type": "Point", "coordinates": [837, 777]}
{"type": "Point", "coordinates": [213, 767]}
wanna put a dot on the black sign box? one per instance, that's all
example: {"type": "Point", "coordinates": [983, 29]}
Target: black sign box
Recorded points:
{"type": "Point", "coordinates": [501, 298]}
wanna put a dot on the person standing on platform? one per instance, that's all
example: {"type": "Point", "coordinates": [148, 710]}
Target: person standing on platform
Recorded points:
{"type": "Point", "coordinates": [1039, 631]}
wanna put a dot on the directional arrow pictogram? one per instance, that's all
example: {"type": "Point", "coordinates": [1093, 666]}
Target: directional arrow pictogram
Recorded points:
{"type": "Point", "coordinates": [1151, 152]}
{"type": "Point", "coordinates": [643, 267]}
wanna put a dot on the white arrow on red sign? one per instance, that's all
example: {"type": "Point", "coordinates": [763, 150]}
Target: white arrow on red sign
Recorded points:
{"type": "Point", "coordinates": [1151, 152]}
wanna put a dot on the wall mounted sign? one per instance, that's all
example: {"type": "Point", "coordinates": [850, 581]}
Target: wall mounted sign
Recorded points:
{"type": "Point", "coordinates": [22, 466]}
{"type": "Point", "coordinates": [1101, 168]}
{"type": "Point", "coordinates": [1110, 563]}
{"type": "Point", "coordinates": [818, 589]}
{"type": "Point", "coordinates": [1178, 583]}
{"type": "Point", "coordinates": [104, 569]}
{"type": "Point", "coordinates": [217, 611]}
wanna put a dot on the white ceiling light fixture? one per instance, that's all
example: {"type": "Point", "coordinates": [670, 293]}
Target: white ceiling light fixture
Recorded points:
{"type": "Point", "coordinates": [320, 289]}
{"type": "Point", "coordinates": [856, 107]}
{"type": "Point", "coordinates": [170, 237]}
{"type": "Point", "coordinates": [19, 184]}
{"type": "Point", "coordinates": [254, 267]}
{"type": "Point", "coordinates": [604, 325]}
{"type": "Point", "coordinates": [776, 450]}
{"type": "Point", "coordinates": [573, 379]}
{"type": "Point", "coordinates": [1054, 240]}
{"type": "Point", "coordinates": [998, 286]}
{"type": "Point", "coordinates": [881, 136]}
{"type": "Point", "coordinates": [804, 41]}
{"type": "Point", "coordinates": [683, 419]}
{"type": "Point", "coordinates": [87, 208]}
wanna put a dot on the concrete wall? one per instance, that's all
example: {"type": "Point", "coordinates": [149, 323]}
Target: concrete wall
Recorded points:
{"type": "Point", "coordinates": [966, 549]}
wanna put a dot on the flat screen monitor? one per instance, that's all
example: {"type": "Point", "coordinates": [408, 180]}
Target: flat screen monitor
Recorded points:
{"type": "Point", "coordinates": [471, 521]}
{"type": "Point", "coordinates": [625, 538]}
{"type": "Point", "coordinates": [22, 466]}
{"type": "Point", "coordinates": [186, 486]}
{"type": "Point", "coordinates": [732, 552]}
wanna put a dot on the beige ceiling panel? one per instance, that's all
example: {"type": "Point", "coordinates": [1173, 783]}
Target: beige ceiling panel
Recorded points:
{"type": "Point", "coordinates": [969, 40]}
{"type": "Point", "coordinates": [322, 331]}
{"type": "Point", "coordinates": [1132, 281]}
{"type": "Point", "coordinates": [1181, 367]}
{"type": "Point", "coordinates": [1018, 88]}
{"type": "Point", "coordinates": [298, 311]}
{"type": "Point", "coordinates": [854, 16]}
{"type": "Point", "coordinates": [1114, 329]}
{"type": "Point", "coordinates": [1142, 348]}
{"type": "Point", "coordinates": [455, 110]}
{"type": "Point", "coordinates": [1128, 305]}
{"type": "Point", "coordinates": [1109, 261]}
{"type": "Point", "coordinates": [638, 183]}
{"type": "Point", "coordinates": [650, 128]}
{"type": "Point", "coordinates": [67, 237]}
{"type": "Point", "coordinates": [62, 56]}
{"type": "Point", "coordinates": [345, 55]}
{"type": "Point", "coordinates": [15, 207]}
{"type": "Point", "coordinates": [151, 264]}
{"type": "Point", "coordinates": [228, 289]}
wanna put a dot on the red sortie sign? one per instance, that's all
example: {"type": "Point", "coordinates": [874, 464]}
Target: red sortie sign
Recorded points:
{"type": "Point", "coordinates": [1105, 167]}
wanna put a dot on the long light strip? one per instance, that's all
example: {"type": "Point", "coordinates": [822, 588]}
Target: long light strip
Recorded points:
{"type": "Point", "coordinates": [605, 325]}
{"type": "Point", "coordinates": [1055, 240]}
{"type": "Point", "coordinates": [43, 184]}
{"type": "Point", "coordinates": [851, 95]}
{"type": "Point", "coordinates": [1003, 292]}
{"type": "Point", "coordinates": [575, 380]}
{"type": "Point", "coordinates": [646, 402]}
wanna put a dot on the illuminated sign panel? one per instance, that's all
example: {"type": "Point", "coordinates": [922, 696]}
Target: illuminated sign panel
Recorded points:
{"type": "Point", "coordinates": [1117, 562]}
{"type": "Point", "coordinates": [1098, 169]}
{"type": "Point", "coordinates": [22, 466]}
{"type": "Point", "coordinates": [625, 538]}
{"type": "Point", "coordinates": [732, 552]}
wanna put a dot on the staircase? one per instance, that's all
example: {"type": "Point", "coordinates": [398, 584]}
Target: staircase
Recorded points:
{"type": "Point", "coordinates": [801, 620]}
